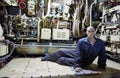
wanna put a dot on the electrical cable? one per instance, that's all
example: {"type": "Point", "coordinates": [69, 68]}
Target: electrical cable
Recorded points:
{"type": "Point", "coordinates": [8, 55]}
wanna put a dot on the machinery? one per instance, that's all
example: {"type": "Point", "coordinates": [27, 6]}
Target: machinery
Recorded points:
{"type": "Point", "coordinates": [43, 26]}
{"type": "Point", "coordinates": [110, 30]}
{"type": "Point", "coordinates": [37, 26]}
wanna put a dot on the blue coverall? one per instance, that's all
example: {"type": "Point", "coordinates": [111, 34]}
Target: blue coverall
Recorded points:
{"type": "Point", "coordinates": [83, 55]}
{"type": "Point", "coordinates": [87, 53]}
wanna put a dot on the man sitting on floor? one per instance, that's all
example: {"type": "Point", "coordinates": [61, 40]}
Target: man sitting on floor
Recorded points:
{"type": "Point", "coordinates": [87, 50]}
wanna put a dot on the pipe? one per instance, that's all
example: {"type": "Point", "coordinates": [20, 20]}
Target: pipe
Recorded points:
{"type": "Point", "coordinates": [48, 9]}
{"type": "Point", "coordinates": [86, 13]}
{"type": "Point", "coordinates": [1, 32]}
{"type": "Point", "coordinates": [95, 1]}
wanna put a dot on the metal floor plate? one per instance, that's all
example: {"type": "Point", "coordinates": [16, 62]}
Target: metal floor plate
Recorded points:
{"type": "Point", "coordinates": [35, 68]}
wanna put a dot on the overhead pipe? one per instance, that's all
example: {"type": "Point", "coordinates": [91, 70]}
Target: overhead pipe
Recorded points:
{"type": "Point", "coordinates": [95, 1]}
{"type": "Point", "coordinates": [86, 13]}
{"type": "Point", "coordinates": [48, 9]}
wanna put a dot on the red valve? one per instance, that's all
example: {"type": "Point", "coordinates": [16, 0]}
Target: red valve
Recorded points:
{"type": "Point", "coordinates": [22, 5]}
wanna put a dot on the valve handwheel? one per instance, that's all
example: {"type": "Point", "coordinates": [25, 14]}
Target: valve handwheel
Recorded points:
{"type": "Point", "coordinates": [21, 4]}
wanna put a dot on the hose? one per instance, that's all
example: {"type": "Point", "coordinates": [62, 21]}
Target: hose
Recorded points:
{"type": "Point", "coordinates": [8, 55]}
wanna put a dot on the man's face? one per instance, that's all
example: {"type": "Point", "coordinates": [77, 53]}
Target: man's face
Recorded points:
{"type": "Point", "coordinates": [90, 32]}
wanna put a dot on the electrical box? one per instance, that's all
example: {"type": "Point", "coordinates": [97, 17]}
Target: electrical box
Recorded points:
{"type": "Point", "coordinates": [46, 33]}
{"type": "Point", "coordinates": [61, 34]}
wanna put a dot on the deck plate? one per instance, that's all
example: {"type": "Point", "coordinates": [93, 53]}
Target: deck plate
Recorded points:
{"type": "Point", "coordinates": [35, 68]}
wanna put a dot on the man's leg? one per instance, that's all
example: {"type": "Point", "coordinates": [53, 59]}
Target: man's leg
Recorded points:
{"type": "Point", "coordinates": [60, 53]}
{"type": "Point", "coordinates": [66, 61]}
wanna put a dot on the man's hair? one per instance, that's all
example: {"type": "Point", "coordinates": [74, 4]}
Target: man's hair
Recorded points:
{"type": "Point", "coordinates": [90, 27]}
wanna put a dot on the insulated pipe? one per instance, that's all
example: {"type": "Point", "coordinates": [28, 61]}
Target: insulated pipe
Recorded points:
{"type": "Point", "coordinates": [86, 13]}
{"type": "Point", "coordinates": [1, 32]}
{"type": "Point", "coordinates": [38, 30]}
{"type": "Point", "coordinates": [76, 22]}
{"type": "Point", "coordinates": [95, 1]}
{"type": "Point", "coordinates": [48, 9]}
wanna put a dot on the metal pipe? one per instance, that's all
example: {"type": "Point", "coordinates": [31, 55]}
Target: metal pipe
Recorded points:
{"type": "Point", "coordinates": [95, 1]}
{"type": "Point", "coordinates": [48, 9]}
{"type": "Point", "coordinates": [53, 46]}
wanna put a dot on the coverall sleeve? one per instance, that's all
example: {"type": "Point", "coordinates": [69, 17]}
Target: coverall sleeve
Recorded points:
{"type": "Point", "coordinates": [102, 57]}
{"type": "Point", "coordinates": [78, 54]}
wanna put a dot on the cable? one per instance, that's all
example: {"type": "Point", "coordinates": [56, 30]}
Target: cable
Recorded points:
{"type": "Point", "coordinates": [13, 47]}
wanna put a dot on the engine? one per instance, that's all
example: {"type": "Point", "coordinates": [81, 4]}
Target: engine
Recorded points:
{"type": "Point", "coordinates": [42, 26]}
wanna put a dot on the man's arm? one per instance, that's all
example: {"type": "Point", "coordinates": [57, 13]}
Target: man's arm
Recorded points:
{"type": "Point", "coordinates": [102, 57]}
{"type": "Point", "coordinates": [78, 56]}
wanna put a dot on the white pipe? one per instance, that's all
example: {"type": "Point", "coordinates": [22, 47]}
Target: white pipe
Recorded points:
{"type": "Point", "coordinates": [86, 13]}
{"type": "Point", "coordinates": [95, 1]}
{"type": "Point", "coordinates": [48, 9]}
{"type": "Point", "coordinates": [1, 32]}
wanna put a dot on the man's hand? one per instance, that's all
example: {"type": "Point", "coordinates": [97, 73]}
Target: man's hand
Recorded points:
{"type": "Point", "coordinates": [78, 69]}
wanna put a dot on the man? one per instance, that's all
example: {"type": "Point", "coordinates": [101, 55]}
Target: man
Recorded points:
{"type": "Point", "coordinates": [87, 50]}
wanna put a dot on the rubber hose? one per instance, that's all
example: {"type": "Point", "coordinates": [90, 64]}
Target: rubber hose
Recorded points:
{"type": "Point", "coordinates": [7, 56]}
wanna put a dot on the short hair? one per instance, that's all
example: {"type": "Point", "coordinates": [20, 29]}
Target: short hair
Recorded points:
{"type": "Point", "coordinates": [90, 27]}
